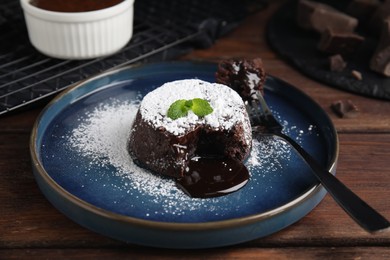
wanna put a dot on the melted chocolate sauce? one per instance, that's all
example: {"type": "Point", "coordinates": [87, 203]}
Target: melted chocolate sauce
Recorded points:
{"type": "Point", "coordinates": [74, 5]}
{"type": "Point", "coordinates": [213, 177]}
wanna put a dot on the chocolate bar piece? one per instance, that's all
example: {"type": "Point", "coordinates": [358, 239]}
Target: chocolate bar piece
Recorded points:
{"type": "Point", "coordinates": [380, 61]}
{"type": "Point", "coordinates": [344, 108]}
{"type": "Point", "coordinates": [344, 43]}
{"type": "Point", "coordinates": [362, 9]}
{"type": "Point", "coordinates": [382, 12]}
{"type": "Point", "coordinates": [318, 17]}
{"type": "Point", "coordinates": [337, 63]}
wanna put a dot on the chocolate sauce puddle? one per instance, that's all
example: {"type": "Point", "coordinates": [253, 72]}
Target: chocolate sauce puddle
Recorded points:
{"type": "Point", "coordinates": [212, 177]}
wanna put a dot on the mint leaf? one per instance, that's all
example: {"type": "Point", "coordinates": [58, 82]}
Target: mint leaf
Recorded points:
{"type": "Point", "coordinates": [180, 108]}
{"type": "Point", "coordinates": [201, 107]}
{"type": "Point", "coordinates": [188, 103]}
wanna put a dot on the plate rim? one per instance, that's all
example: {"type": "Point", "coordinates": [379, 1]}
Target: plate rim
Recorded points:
{"type": "Point", "coordinates": [165, 225]}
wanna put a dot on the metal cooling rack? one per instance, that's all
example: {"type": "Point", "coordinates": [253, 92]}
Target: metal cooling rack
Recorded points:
{"type": "Point", "coordinates": [163, 30]}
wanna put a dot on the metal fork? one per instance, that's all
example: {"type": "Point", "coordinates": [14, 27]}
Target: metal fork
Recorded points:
{"type": "Point", "coordinates": [263, 122]}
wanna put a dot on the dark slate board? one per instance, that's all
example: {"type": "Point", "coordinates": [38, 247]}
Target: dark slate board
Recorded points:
{"type": "Point", "coordinates": [299, 47]}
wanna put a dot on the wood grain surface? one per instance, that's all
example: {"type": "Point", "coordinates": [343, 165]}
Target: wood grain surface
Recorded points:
{"type": "Point", "coordinates": [31, 228]}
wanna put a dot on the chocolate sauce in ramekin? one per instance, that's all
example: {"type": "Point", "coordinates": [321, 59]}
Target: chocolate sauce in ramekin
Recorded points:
{"type": "Point", "coordinates": [74, 5]}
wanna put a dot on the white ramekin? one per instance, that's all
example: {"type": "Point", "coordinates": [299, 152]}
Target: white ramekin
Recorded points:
{"type": "Point", "coordinates": [79, 35]}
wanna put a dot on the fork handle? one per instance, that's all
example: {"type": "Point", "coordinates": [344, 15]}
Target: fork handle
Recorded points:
{"type": "Point", "coordinates": [360, 211]}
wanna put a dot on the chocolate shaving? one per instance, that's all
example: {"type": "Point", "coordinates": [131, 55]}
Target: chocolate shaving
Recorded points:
{"type": "Point", "coordinates": [357, 75]}
{"type": "Point", "coordinates": [337, 63]}
{"type": "Point", "coordinates": [344, 109]}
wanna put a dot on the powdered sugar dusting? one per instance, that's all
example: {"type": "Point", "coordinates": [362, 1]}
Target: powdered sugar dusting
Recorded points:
{"type": "Point", "coordinates": [228, 107]}
{"type": "Point", "coordinates": [253, 80]}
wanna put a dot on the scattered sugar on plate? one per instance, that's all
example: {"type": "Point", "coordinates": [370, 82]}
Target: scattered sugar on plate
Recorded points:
{"type": "Point", "coordinates": [103, 138]}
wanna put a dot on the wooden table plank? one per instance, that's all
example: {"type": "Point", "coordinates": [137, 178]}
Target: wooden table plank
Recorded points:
{"type": "Point", "coordinates": [29, 220]}
{"type": "Point", "coordinates": [276, 253]}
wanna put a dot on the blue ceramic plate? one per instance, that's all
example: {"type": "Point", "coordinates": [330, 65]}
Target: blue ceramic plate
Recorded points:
{"type": "Point", "coordinates": [78, 149]}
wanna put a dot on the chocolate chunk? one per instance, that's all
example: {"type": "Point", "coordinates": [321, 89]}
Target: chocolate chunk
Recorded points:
{"type": "Point", "coordinates": [306, 10]}
{"type": "Point", "coordinates": [318, 17]}
{"type": "Point", "coordinates": [380, 61]}
{"type": "Point", "coordinates": [337, 63]}
{"type": "Point", "coordinates": [344, 43]}
{"type": "Point", "coordinates": [344, 108]}
{"type": "Point", "coordinates": [362, 9]}
{"type": "Point", "coordinates": [380, 15]}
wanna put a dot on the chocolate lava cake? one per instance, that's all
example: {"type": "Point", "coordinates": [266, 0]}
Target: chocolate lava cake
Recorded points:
{"type": "Point", "coordinates": [165, 146]}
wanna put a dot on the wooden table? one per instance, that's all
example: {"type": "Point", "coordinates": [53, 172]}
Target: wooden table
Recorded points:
{"type": "Point", "coordinates": [31, 228]}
